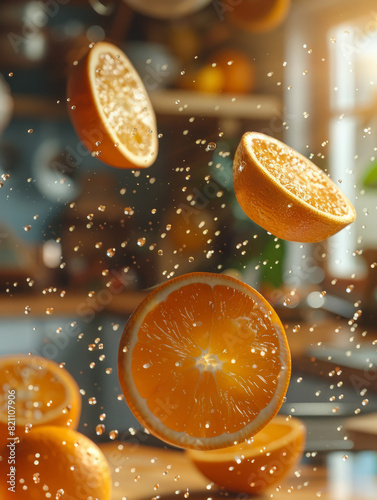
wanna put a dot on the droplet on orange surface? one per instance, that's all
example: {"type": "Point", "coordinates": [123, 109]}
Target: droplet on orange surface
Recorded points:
{"type": "Point", "coordinates": [204, 361]}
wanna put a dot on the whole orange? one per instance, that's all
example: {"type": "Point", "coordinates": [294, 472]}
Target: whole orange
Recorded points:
{"type": "Point", "coordinates": [238, 70]}
{"type": "Point", "coordinates": [54, 462]}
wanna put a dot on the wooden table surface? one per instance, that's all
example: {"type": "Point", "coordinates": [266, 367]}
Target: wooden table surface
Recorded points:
{"type": "Point", "coordinates": [142, 472]}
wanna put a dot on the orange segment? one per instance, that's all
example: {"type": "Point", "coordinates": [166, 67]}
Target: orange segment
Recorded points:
{"type": "Point", "coordinates": [57, 463]}
{"type": "Point", "coordinates": [44, 394]}
{"type": "Point", "coordinates": [204, 361]}
{"type": "Point", "coordinates": [254, 466]}
{"type": "Point", "coordinates": [110, 108]}
{"type": "Point", "coordinates": [285, 193]}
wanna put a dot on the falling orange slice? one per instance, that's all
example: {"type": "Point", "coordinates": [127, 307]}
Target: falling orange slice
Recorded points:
{"type": "Point", "coordinates": [254, 466]}
{"type": "Point", "coordinates": [35, 391]}
{"type": "Point", "coordinates": [204, 362]}
{"type": "Point", "coordinates": [110, 108]}
{"type": "Point", "coordinates": [285, 193]}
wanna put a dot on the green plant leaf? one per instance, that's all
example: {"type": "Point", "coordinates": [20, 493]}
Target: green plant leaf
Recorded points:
{"type": "Point", "coordinates": [370, 176]}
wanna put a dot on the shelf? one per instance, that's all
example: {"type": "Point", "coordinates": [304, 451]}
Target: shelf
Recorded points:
{"type": "Point", "coordinates": [73, 304]}
{"type": "Point", "coordinates": [171, 102]}
{"type": "Point", "coordinates": [183, 102]}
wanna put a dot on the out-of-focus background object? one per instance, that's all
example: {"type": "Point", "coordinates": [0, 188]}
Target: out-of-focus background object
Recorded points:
{"type": "Point", "coordinates": [259, 16]}
{"type": "Point", "coordinates": [6, 104]}
{"type": "Point", "coordinates": [167, 9]}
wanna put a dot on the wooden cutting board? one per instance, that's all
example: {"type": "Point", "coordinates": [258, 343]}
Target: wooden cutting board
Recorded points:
{"type": "Point", "coordinates": [142, 472]}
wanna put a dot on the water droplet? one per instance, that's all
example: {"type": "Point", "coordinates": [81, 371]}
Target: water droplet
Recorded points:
{"type": "Point", "coordinates": [100, 429]}
{"type": "Point", "coordinates": [113, 434]}
{"type": "Point", "coordinates": [211, 146]}
{"type": "Point", "coordinates": [111, 252]}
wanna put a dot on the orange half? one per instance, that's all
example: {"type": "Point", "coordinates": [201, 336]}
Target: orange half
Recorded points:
{"type": "Point", "coordinates": [285, 193]}
{"type": "Point", "coordinates": [204, 362]}
{"type": "Point", "coordinates": [39, 391]}
{"type": "Point", "coordinates": [111, 110]}
{"type": "Point", "coordinates": [254, 466]}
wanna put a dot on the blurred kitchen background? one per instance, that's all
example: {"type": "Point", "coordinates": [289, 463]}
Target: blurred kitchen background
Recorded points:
{"type": "Point", "coordinates": [81, 242]}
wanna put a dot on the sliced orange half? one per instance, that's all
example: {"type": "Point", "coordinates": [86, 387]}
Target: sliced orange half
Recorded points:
{"type": "Point", "coordinates": [254, 466]}
{"type": "Point", "coordinates": [36, 391]}
{"type": "Point", "coordinates": [204, 362]}
{"type": "Point", "coordinates": [285, 193]}
{"type": "Point", "coordinates": [110, 108]}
